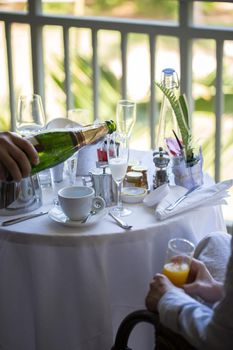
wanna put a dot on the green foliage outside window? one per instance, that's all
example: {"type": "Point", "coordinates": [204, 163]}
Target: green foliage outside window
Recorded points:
{"type": "Point", "coordinates": [82, 83]}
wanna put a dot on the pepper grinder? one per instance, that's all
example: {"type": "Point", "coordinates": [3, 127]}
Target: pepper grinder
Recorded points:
{"type": "Point", "coordinates": [161, 160]}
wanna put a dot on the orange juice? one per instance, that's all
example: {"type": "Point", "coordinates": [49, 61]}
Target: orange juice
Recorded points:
{"type": "Point", "coordinates": [176, 272]}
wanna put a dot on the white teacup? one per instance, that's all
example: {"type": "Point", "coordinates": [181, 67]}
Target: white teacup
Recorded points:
{"type": "Point", "coordinates": [77, 201]}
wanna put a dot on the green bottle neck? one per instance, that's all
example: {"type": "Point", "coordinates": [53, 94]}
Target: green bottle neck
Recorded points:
{"type": "Point", "coordinates": [111, 126]}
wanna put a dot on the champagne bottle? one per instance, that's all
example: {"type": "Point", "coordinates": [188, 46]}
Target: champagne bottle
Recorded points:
{"type": "Point", "coordinates": [56, 146]}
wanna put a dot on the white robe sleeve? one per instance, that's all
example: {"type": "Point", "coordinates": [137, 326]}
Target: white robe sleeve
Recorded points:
{"type": "Point", "coordinates": [203, 327]}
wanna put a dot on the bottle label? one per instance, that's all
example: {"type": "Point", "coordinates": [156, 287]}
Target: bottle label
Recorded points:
{"type": "Point", "coordinates": [92, 134]}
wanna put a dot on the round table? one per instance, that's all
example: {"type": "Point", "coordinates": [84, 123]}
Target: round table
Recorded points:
{"type": "Point", "coordinates": [69, 288]}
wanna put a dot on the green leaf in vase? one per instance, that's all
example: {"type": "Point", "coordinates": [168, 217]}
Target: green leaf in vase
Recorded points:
{"type": "Point", "coordinates": [180, 109]}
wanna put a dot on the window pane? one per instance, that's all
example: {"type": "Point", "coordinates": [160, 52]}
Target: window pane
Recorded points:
{"type": "Point", "coordinates": [227, 125]}
{"type": "Point", "coordinates": [68, 7]}
{"type": "Point", "coordinates": [138, 87]}
{"type": "Point", "coordinates": [213, 13]}
{"type": "Point", "coordinates": [160, 10]}
{"type": "Point", "coordinates": [22, 69]}
{"type": "Point", "coordinates": [13, 5]}
{"type": "Point", "coordinates": [110, 73]}
{"type": "Point", "coordinates": [81, 70]}
{"type": "Point", "coordinates": [204, 72]}
{"type": "Point", "coordinates": [4, 95]}
{"type": "Point", "coordinates": [54, 72]}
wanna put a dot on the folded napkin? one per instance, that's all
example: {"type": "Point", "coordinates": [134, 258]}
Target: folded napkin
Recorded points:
{"type": "Point", "coordinates": [155, 196]}
{"type": "Point", "coordinates": [203, 196]}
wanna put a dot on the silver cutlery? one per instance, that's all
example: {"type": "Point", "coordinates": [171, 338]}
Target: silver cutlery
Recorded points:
{"type": "Point", "coordinates": [92, 212]}
{"type": "Point", "coordinates": [120, 222]}
{"type": "Point", "coordinates": [179, 200]}
{"type": "Point", "coordinates": [22, 218]}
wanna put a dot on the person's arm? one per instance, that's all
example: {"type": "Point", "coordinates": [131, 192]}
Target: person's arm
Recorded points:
{"type": "Point", "coordinates": [202, 326]}
{"type": "Point", "coordinates": [16, 156]}
{"type": "Point", "coordinates": [178, 311]}
{"type": "Point", "coordinates": [186, 316]}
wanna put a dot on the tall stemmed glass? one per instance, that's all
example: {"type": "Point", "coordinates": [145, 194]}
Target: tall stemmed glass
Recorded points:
{"type": "Point", "coordinates": [30, 119]}
{"type": "Point", "coordinates": [126, 116]}
{"type": "Point", "coordinates": [30, 116]}
{"type": "Point", "coordinates": [79, 116]}
{"type": "Point", "coordinates": [118, 156]}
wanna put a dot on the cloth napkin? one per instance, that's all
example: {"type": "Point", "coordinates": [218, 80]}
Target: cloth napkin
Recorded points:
{"type": "Point", "coordinates": [203, 196]}
{"type": "Point", "coordinates": [155, 196]}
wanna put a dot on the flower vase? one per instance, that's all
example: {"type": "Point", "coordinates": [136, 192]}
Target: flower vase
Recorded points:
{"type": "Point", "coordinates": [188, 174]}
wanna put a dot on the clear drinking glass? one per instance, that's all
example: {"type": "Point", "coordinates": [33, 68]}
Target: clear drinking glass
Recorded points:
{"type": "Point", "coordinates": [178, 258]}
{"type": "Point", "coordinates": [30, 116]}
{"type": "Point", "coordinates": [71, 164]}
{"type": "Point", "coordinates": [30, 120]}
{"type": "Point", "coordinates": [118, 156]}
{"type": "Point", "coordinates": [126, 116]}
{"type": "Point", "coordinates": [79, 116]}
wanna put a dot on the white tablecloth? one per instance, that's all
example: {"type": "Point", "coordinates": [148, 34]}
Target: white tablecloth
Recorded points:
{"type": "Point", "coordinates": [65, 288]}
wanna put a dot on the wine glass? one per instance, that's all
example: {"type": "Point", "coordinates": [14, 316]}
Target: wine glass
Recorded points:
{"type": "Point", "coordinates": [118, 156]}
{"type": "Point", "coordinates": [126, 116]}
{"type": "Point", "coordinates": [30, 117]}
{"type": "Point", "coordinates": [79, 116]}
{"type": "Point", "coordinates": [30, 120]}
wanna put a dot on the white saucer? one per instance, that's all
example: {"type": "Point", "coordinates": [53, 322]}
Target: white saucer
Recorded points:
{"type": "Point", "coordinates": [57, 215]}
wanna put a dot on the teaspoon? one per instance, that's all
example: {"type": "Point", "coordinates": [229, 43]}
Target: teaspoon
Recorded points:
{"type": "Point", "coordinates": [120, 222]}
{"type": "Point", "coordinates": [92, 212]}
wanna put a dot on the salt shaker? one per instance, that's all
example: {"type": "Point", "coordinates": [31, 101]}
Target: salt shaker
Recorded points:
{"type": "Point", "coordinates": [161, 160]}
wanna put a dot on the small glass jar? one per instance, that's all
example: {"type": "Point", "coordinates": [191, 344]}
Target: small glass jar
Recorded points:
{"type": "Point", "coordinates": [133, 179]}
{"type": "Point", "coordinates": [132, 163]}
{"type": "Point", "coordinates": [142, 169]}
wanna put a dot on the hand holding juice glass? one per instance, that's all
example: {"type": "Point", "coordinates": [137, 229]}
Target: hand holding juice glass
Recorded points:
{"type": "Point", "coordinates": [178, 258]}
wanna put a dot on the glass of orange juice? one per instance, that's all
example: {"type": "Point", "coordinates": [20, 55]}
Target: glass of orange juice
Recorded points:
{"type": "Point", "coordinates": [178, 258]}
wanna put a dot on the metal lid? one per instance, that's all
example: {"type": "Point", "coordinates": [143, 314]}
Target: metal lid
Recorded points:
{"type": "Point", "coordinates": [139, 168]}
{"type": "Point", "coordinates": [100, 171]}
{"type": "Point", "coordinates": [134, 175]}
{"type": "Point", "coordinates": [161, 158]}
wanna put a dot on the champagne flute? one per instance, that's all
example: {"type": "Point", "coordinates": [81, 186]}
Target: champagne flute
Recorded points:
{"type": "Point", "coordinates": [30, 117]}
{"type": "Point", "coordinates": [79, 116]}
{"type": "Point", "coordinates": [118, 156]}
{"type": "Point", "coordinates": [126, 116]}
